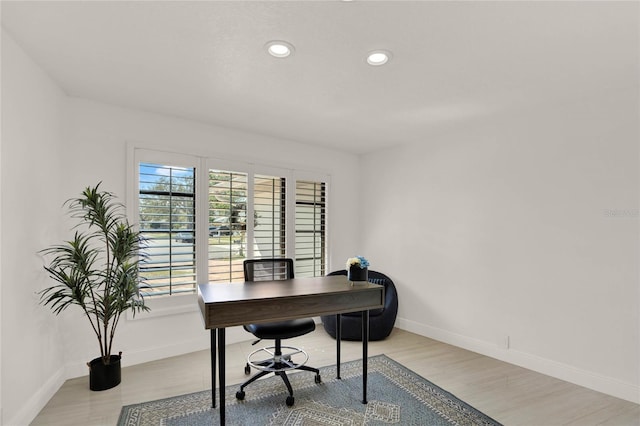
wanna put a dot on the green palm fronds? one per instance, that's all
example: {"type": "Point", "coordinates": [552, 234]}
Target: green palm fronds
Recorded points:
{"type": "Point", "coordinates": [98, 270]}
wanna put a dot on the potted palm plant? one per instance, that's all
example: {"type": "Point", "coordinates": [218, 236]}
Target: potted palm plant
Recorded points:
{"type": "Point", "coordinates": [98, 271]}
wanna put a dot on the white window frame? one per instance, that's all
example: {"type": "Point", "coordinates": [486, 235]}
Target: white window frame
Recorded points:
{"type": "Point", "coordinates": [174, 304]}
{"type": "Point", "coordinates": [180, 303]}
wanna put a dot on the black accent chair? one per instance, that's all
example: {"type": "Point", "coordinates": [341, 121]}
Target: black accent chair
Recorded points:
{"type": "Point", "coordinates": [277, 362]}
{"type": "Point", "coordinates": [381, 321]}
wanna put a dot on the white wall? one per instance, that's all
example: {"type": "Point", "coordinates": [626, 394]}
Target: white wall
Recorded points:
{"type": "Point", "coordinates": [32, 353]}
{"type": "Point", "coordinates": [52, 148]}
{"type": "Point", "coordinates": [98, 136]}
{"type": "Point", "coordinates": [526, 227]}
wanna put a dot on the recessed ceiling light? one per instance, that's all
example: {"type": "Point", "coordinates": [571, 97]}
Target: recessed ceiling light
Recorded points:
{"type": "Point", "coordinates": [279, 49]}
{"type": "Point", "coordinates": [378, 57]}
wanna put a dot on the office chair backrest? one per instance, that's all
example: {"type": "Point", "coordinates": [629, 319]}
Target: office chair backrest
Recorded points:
{"type": "Point", "coordinates": [268, 269]}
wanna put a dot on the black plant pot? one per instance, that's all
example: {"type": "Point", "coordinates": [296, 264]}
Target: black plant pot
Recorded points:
{"type": "Point", "coordinates": [357, 274]}
{"type": "Point", "coordinates": [103, 377]}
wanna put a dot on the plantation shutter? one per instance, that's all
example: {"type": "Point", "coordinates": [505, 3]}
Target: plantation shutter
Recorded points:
{"type": "Point", "coordinates": [269, 202]}
{"type": "Point", "coordinates": [166, 200]}
{"type": "Point", "coordinates": [310, 228]}
{"type": "Point", "coordinates": [202, 217]}
{"type": "Point", "coordinates": [227, 225]}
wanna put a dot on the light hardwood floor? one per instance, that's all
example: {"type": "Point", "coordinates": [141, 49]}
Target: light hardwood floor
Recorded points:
{"type": "Point", "coordinates": [510, 394]}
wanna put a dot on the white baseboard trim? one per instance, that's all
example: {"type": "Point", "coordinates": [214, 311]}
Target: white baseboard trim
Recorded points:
{"type": "Point", "coordinates": [78, 368]}
{"type": "Point", "coordinates": [30, 410]}
{"type": "Point", "coordinates": [566, 372]}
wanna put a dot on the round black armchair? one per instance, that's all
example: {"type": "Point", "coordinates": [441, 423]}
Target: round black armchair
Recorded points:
{"type": "Point", "coordinates": [381, 320]}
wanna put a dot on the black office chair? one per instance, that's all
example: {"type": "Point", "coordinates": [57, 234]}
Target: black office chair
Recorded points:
{"type": "Point", "coordinates": [277, 362]}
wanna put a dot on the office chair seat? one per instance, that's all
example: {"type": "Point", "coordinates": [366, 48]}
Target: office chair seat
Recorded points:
{"type": "Point", "coordinates": [282, 329]}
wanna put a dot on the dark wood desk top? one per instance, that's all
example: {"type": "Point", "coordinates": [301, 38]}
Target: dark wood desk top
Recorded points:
{"type": "Point", "coordinates": [230, 304]}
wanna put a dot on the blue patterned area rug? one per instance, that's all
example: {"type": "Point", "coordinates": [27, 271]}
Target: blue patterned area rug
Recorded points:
{"type": "Point", "coordinates": [396, 395]}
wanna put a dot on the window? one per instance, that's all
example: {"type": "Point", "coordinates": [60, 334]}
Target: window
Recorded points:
{"type": "Point", "coordinates": [269, 216]}
{"type": "Point", "coordinates": [167, 222]}
{"type": "Point", "coordinates": [201, 218]}
{"type": "Point", "coordinates": [227, 225]}
{"type": "Point", "coordinates": [310, 229]}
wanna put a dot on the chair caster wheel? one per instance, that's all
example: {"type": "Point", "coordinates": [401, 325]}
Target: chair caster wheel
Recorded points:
{"type": "Point", "coordinates": [240, 395]}
{"type": "Point", "coordinates": [317, 379]}
{"type": "Point", "coordinates": [247, 370]}
{"type": "Point", "coordinates": [290, 401]}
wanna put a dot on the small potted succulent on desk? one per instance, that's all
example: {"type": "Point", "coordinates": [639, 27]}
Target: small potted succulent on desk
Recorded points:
{"type": "Point", "coordinates": [357, 269]}
{"type": "Point", "coordinates": [98, 271]}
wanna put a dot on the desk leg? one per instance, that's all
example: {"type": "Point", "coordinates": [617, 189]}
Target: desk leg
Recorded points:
{"type": "Point", "coordinates": [338, 339]}
{"type": "Point", "coordinates": [213, 368]}
{"type": "Point", "coordinates": [221, 370]}
{"type": "Point", "coordinates": [365, 354]}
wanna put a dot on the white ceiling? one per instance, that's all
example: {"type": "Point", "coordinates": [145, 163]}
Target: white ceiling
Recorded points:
{"type": "Point", "coordinates": [453, 62]}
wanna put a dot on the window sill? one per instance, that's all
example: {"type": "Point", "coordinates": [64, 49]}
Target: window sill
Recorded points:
{"type": "Point", "coordinates": [161, 306]}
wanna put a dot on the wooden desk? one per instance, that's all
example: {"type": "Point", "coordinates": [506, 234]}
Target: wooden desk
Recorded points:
{"type": "Point", "coordinates": [230, 304]}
